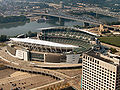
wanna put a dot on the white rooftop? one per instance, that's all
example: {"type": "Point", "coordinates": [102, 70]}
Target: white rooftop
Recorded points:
{"type": "Point", "coordinates": [42, 42]}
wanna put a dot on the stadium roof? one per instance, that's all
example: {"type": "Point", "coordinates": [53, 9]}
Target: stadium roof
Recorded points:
{"type": "Point", "coordinates": [42, 42]}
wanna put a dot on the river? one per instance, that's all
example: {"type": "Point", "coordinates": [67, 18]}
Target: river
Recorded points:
{"type": "Point", "coordinates": [13, 29]}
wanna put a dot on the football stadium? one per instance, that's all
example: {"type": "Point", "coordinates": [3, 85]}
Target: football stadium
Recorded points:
{"type": "Point", "coordinates": [62, 45]}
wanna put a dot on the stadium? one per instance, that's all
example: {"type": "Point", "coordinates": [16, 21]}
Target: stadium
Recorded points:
{"type": "Point", "coordinates": [59, 45]}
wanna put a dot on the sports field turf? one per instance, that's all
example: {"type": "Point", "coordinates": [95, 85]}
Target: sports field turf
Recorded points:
{"type": "Point", "coordinates": [113, 40]}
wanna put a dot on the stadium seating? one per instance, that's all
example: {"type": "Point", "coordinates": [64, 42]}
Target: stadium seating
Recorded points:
{"type": "Point", "coordinates": [66, 36]}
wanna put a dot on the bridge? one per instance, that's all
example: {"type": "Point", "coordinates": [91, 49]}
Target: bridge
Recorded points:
{"type": "Point", "coordinates": [64, 80]}
{"type": "Point", "coordinates": [59, 85]}
{"type": "Point", "coordinates": [108, 27]}
{"type": "Point", "coordinates": [112, 27]}
{"type": "Point", "coordinates": [64, 16]}
{"type": "Point", "coordinates": [53, 86]}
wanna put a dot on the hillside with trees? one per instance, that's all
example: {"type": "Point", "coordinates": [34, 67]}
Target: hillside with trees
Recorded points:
{"type": "Point", "coordinates": [10, 19]}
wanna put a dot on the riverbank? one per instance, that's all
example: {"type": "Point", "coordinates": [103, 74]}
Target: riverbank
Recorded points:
{"type": "Point", "coordinates": [12, 24]}
{"type": "Point", "coordinates": [10, 19]}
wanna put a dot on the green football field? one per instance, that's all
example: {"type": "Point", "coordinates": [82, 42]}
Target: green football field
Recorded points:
{"type": "Point", "coordinates": [113, 40]}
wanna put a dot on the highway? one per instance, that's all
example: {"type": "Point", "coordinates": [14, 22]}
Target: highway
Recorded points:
{"type": "Point", "coordinates": [27, 66]}
{"type": "Point", "coordinates": [108, 26]}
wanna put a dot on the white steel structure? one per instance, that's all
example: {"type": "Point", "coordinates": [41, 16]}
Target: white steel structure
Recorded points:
{"type": "Point", "coordinates": [42, 42]}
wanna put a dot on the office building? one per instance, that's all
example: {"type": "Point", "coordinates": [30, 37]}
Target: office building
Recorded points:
{"type": "Point", "coordinates": [100, 72]}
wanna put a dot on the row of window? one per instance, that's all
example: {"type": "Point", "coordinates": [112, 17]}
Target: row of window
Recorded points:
{"type": "Point", "coordinates": [90, 70]}
{"type": "Point", "coordinates": [98, 71]}
{"type": "Point", "coordinates": [91, 59]}
{"type": "Point", "coordinates": [99, 79]}
{"type": "Point", "coordinates": [97, 67]}
{"type": "Point", "coordinates": [90, 87]}
{"type": "Point", "coordinates": [96, 82]}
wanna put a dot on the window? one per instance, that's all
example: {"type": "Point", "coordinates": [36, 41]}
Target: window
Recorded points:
{"type": "Point", "coordinates": [95, 61]}
{"type": "Point", "coordinates": [90, 59]}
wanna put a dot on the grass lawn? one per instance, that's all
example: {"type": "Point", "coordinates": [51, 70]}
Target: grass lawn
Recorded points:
{"type": "Point", "coordinates": [112, 40]}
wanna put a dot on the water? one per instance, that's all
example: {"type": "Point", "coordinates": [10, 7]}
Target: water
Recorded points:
{"type": "Point", "coordinates": [13, 29]}
{"type": "Point", "coordinates": [19, 28]}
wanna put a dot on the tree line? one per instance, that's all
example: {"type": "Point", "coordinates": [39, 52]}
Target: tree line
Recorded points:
{"type": "Point", "coordinates": [114, 23]}
{"type": "Point", "coordinates": [9, 19]}
{"type": "Point", "coordinates": [4, 38]}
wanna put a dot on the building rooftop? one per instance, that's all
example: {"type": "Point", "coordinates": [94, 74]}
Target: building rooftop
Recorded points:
{"type": "Point", "coordinates": [42, 42]}
{"type": "Point", "coordinates": [98, 56]}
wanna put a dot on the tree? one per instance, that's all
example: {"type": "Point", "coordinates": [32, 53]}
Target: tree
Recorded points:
{"type": "Point", "coordinates": [31, 34]}
{"type": "Point", "coordinates": [3, 38]}
{"type": "Point", "coordinates": [113, 50]}
{"type": "Point", "coordinates": [9, 19]}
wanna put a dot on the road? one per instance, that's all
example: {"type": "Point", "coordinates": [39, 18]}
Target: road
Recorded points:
{"type": "Point", "coordinates": [24, 66]}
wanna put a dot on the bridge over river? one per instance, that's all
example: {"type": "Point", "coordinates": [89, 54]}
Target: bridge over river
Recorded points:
{"type": "Point", "coordinates": [36, 16]}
